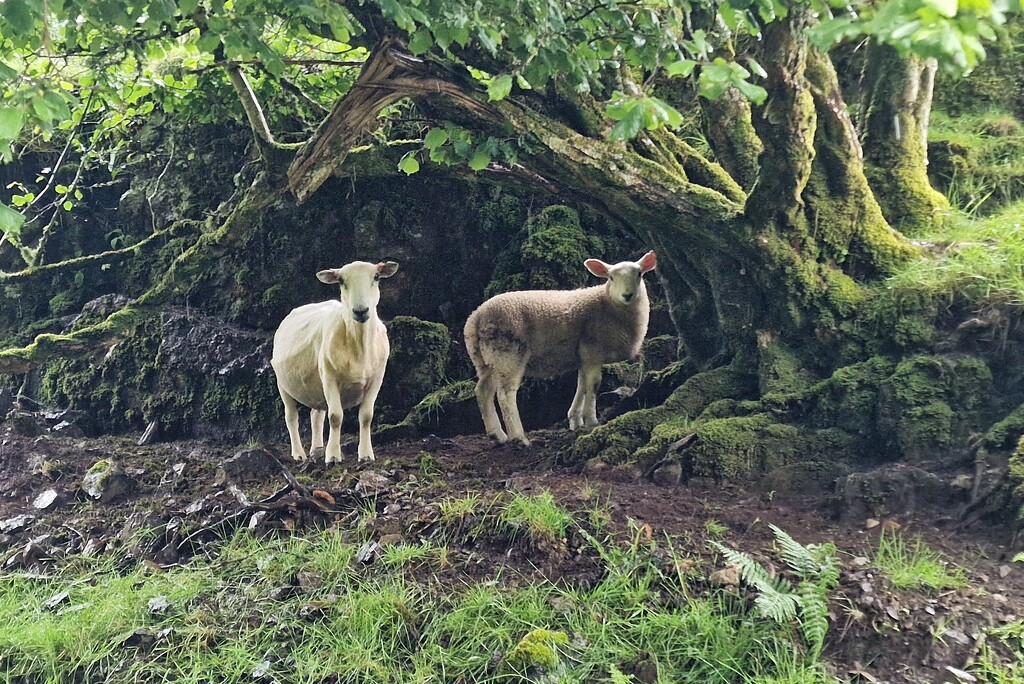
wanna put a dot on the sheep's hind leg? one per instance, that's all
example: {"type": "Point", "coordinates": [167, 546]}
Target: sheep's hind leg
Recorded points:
{"type": "Point", "coordinates": [485, 391]}
{"type": "Point", "coordinates": [316, 421]}
{"type": "Point", "coordinates": [578, 402]}
{"type": "Point", "coordinates": [591, 383]}
{"type": "Point", "coordinates": [507, 390]}
{"type": "Point", "coordinates": [291, 421]}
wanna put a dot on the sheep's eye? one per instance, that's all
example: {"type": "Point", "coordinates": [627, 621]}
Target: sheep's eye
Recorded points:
{"type": "Point", "coordinates": [376, 277]}
{"type": "Point", "coordinates": [341, 281]}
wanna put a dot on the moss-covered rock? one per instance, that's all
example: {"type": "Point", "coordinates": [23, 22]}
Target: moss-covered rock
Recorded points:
{"type": "Point", "coordinates": [549, 254]}
{"type": "Point", "coordinates": [536, 654]}
{"type": "Point", "coordinates": [417, 366]}
{"type": "Point", "coordinates": [191, 374]}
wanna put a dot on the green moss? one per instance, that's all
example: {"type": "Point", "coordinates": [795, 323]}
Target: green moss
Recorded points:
{"type": "Point", "coordinates": [1006, 431]}
{"type": "Point", "coordinates": [538, 650]}
{"type": "Point", "coordinates": [615, 441]}
{"type": "Point", "coordinates": [417, 365]}
{"type": "Point", "coordinates": [548, 254]}
{"type": "Point", "coordinates": [925, 431]}
{"type": "Point", "coordinates": [779, 369]}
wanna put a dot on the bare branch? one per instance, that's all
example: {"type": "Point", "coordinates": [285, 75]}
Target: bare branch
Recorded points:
{"type": "Point", "coordinates": [253, 110]}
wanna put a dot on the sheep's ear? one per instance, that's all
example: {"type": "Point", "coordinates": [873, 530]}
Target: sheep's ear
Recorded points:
{"type": "Point", "coordinates": [331, 275]}
{"type": "Point", "coordinates": [386, 269]}
{"type": "Point", "coordinates": [647, 262]}
{"type": "Point", "coordinates": [597, 267]}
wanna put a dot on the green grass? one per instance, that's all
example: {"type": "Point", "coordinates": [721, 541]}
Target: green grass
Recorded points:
{"type": "Point", "coordinates": [303, 610]}
{"type": "Point", "coordinates": [537, 516]}
{"type": "Point", "coordinates": [979, 261]}
{"type": "Point", "coordinates": [914, 566]}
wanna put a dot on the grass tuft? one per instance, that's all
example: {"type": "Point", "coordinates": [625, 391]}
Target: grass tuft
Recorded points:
{"type": "Point", "coordinates": [914, 565]}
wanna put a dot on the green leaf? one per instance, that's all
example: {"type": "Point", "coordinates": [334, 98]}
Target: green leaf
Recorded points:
{"type": "Point", "coordinates": [10, 123]}
{"type": "Point", "coordinates": [61, 189]}
{"type": "Point", "coordinates": [480, 159]}
{"type": "Point", "coordinates": [683, 67]}
{"type": "Point", "coordinates": [946, 8]}
{"type": "Point", "coordinates": [7, 73]}
{"type": "Point", "coordinates": [19, 15]}
{"type": "Point", "coordinates": [499, 88]}
{"type": "Point", "coordinates": [435, 138]}
{"type": "Point", "coordinates": [67, 205]}
{"type": "Point", "coordinates": [754, 93]}
{"type": "Point", "coordinates": [629, 125]}
{"type": "Point", "coordinates": [420, 41]}
{"type": "Point", "coordinates": [409, 164]}
{"type": "Point", "coordinates": [10, 223]}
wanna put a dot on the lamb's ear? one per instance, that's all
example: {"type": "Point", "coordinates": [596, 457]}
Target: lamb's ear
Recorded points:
{"type": "Point", "coordinates": [386, 269]}
{"type": "Point", "coordinates": [331, 275]}
{"type": "Point", "coordinates": [647, 262]}
{"type": "Point", "coordinates": [597, 267]}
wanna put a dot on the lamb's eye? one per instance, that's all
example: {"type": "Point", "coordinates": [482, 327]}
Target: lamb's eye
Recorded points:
{"type": "Point", "coordinates": [376, 277]}
{"type": "Point", "coordinates": [341, 281]}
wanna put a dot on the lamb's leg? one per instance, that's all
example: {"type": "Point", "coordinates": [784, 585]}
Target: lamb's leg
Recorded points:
{"type": "Point", "coordinates": [291, 421]}
{"type": "Point", "coordinates": [485, 391]}
{"type": "Point", "coordinates": [577, 405]}
{"type": "Point", "coordinates": [316, 421]}
{"type": "Point", "coordinates": [508, 387]}
{"type": "Point", "coordinates": [366, 416]}
{"type": "Point", "coordinates": [591, 382]}
{"type": "Point", "coordinates": [332, 453]}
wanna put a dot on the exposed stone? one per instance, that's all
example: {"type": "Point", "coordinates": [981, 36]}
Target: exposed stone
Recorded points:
{"type": "Point", "coordinates": [668, 475]}
{"type": "Point", "coordinates": [372, 482]}
{"type": "Point", "coordinates": [106, 481]}
{"type": "Point", "coordinates": [892, 490]}
{"type": "Point", "coordinates": [248, 464]}
{"type": "Point", "coordinates": [729, 576]}
{"type": "Point", "coordinates": [45, 500]}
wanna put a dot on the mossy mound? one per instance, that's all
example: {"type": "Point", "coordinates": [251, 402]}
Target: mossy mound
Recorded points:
{"type": "Point", "coordinates": [548, 255]}
{"type": "Point", "coordinates": [191, 374]}
{"type": "Point", "coordinates": [417, 366]}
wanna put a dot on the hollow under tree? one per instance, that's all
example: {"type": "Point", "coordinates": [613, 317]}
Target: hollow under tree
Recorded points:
{"type": "Point", "coordinates": [767, 239]}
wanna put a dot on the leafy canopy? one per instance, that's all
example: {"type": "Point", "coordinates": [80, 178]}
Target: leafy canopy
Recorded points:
{"type": "Point", "coordinates": [83, 72]}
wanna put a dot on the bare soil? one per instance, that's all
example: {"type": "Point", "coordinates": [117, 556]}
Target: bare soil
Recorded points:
{"type": "Point", "coordinates": [179, 497]}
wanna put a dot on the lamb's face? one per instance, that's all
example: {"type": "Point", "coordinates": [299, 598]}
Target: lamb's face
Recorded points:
{"type": "Point", "coordinates": [625, 279]}
{"type": "Point", "coordinates": [359, 285]}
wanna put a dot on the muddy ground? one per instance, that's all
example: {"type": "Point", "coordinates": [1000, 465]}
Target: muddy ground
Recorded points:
{"type": "Point", "coordinates": [170, 501]}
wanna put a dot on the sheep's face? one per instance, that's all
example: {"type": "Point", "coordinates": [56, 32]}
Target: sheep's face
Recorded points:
{"type": "Point", "coordinates": [359, 285]}
{"type": "Point", "coordinates": [625, 279]}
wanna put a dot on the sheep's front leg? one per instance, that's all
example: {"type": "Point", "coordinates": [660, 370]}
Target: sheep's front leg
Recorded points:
{"type": "Point", "coordinates": [366, 416]}
{"type": "Point", "coordinates": [578, 401]}
{"type": "Point", "coordinates": [591, 382]}
{"type": "Point", "coordinates": [291, 421]}
{"type": "Point", "coordinates": [332, 453]}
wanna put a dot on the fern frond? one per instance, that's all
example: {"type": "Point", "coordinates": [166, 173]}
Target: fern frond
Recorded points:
{"type": "Point", "coordinates": [813, 616]}
{"type": "Point", "coordinates": [800, 558]}
{"type": "Point", "coordinates": [775, 599]}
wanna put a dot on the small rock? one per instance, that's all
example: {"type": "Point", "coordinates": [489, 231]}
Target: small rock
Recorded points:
{"type": "Point", "coordinates": [366, 552]}
{"type": "Point", "coordinates": [668, 475]}
{"type": "Point", "coordinates": [158, 604]}
{"type": "Point", "coordinates": [860, 562]}
{"type": "Point", "coordinates": [871, 523]}
{"type": "Point", "coordinates": [389, 539]}
{"type": "Point", "coordinates": [57, 599]}
{"type": "Point", "coordinates": [106, 482]}
{"type": "Point", "coordinates": [891, 526]}
{"type": "Point", "coordinates": [371, 483]}
{"type": "Point", "coordinates": [309, 581]}
{"type": "Point", "coordinates": [18, 522]}
{"type": "Point", "coordinates": [67, 429]}
{"type": "Point", "coordinates": [729, 576]}
{"type": "Point", "coordinates": [247, 464]}
{"type": "Point", "coordinates": [594, 466]}
{"type": "Point", "coordinates": [1004, 570]}
{"type": "Point", "coordinates": [45, 500]}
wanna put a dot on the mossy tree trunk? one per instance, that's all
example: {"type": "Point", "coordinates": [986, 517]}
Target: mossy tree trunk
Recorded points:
{"type": "Point", "coordinates": [896, 107]}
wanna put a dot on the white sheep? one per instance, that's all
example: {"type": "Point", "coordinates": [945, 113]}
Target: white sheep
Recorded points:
{"type": "Point", "coordinates": [543, 333]}
{"type": "Point", "coordinates": [331, 356]}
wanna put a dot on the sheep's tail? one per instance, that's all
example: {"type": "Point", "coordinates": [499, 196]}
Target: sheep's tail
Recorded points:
{"type": "Point", "coordinates": [471, 336]}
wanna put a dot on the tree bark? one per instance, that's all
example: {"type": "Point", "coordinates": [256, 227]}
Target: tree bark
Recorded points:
{"type": "Point", "coordinates": [894, 128]}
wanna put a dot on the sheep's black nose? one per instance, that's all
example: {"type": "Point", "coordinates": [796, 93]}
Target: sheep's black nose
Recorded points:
{"type": "Point", "coordinates": [628, 297]}
{"type": "Point", "coordinates": [362, 315]}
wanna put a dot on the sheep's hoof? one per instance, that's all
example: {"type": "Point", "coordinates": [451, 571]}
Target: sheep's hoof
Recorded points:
{"type": "Point", "coordinates": [301, 457]}
{"type": "Point", "coordinates": [332, 458]}
{"type": "Point", "coordinates": [367, 459]}
{"type": "Point", "coordinates": [499, 437]}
